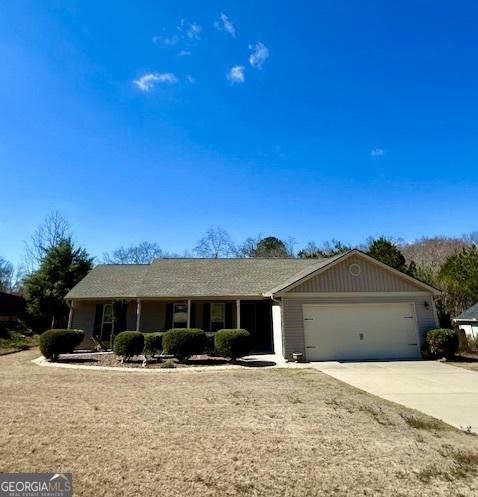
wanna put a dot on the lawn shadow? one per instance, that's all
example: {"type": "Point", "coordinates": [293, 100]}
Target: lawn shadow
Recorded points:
{"type": "Point", "coordinates": [77, 360]}
{"type": "Point", "coordinates": [464, 358]}
{"type": "Point", "coordinates": [254, 363]}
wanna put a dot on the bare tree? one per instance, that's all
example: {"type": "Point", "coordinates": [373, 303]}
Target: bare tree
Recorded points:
{"type": "Point", "coordinates": [52, 231]}
{"type": "Point", "coordinates": [143, 253]}
{"type": "Point", "coordinates": [7, 276]}
{"type": "Point", "coordinates": [215, 243]}
{"type": "Point", "coordinates": [432, 252]}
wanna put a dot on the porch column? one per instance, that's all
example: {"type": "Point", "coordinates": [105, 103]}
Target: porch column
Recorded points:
{"type": "Point", "coordinates": [238, 313]}
{"type": "Point", "coordinates": [189, 314]}
{"type": "Point", "coordinates": [70, 315]}
{"type": "Point", "coordinates": [138, 314]}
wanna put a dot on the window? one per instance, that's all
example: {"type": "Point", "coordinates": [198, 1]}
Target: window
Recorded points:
{"type": "Point", "coordinates": [107, 322]}
{"type": "Point", "coordinates": [217, 316]}
{"type": "Point", "coordinates": [355, 269]}
{"type": "Point", "coordinates": [180, 315]}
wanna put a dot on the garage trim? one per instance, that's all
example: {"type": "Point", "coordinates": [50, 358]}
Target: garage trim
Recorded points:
{"type": "Point", "coordinates": [301, 295]}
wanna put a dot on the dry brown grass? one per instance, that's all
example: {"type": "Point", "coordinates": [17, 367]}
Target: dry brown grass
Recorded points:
{"type": "Point", "coordinates": [280, 432]}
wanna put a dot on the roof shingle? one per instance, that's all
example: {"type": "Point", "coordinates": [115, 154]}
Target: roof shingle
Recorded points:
{"type": "Point", "coordinates": [190, 278]}
{"type": "Point", "coordinates": [470, 314]}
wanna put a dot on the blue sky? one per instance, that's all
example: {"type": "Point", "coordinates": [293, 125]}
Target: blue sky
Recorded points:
{"type": "Point", "coordinates": [353, 119]}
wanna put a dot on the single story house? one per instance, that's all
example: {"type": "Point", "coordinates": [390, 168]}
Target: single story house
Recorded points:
{"type": "Point", "coordinates": [350, 306]}
{"type": "Point", "coordinates": [11, 306]}
{"type": "Point", "coordinates": [468, 321]}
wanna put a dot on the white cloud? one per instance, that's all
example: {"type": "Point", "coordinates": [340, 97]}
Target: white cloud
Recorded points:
{"type": "Point", "coordinates": [192, 29]}
{"type": "Point", "coordinates": [148, 81]}
{"type": "Point", "coordinates": [236, 74]}
{"type": "Point", "coordinates": [225, 24]}
{"type": "Point", "coordinates": [377, 152]}
{"type": "Point", "coordinates": [190, 79]}
{"type": "Point", "coordinates": [166, 40]}
{"type": "Point", "coordinates": [184, 53]}
{"type": "Point", "coordinates": [260, 53]}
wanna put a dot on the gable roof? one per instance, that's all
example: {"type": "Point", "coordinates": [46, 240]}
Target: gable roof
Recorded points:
{"type": "Point", "coordinates": [189, 278]}
{"type": "Point", "coordinates": [326, 264]}
{"type": "Point", "coordinates": [183, 278]}
{"type": "Point", "coordinates": [470, 314]}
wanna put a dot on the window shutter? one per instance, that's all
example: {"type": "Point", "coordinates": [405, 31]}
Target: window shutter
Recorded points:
{"type": "Point", "coordinates": [193, 315]}
{"type": "Point", "coordinates": [228, 316]}
{"type": "Point", "coordinates": [169, 317]}
{"type": "Point", "coordinates": [98, 320]}
{"type": "Point", "coordinates": [206, 320]}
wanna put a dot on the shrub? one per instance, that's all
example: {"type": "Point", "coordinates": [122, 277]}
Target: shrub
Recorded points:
{"type": "Point", "coordinates": [184, 342]}
{"type": "Point", "coordinates": [56, 342]}
{"type": "Point", "coordinates": [442, 342]}
{"type": "Point", "coordinates": [153, 343]}
{"type": "Point", "coordinates": [128, 344]}
{"type": "Point", "coordinates": [232, 343]}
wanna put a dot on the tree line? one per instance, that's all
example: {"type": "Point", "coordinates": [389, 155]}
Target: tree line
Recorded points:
{"type": "Point", "coordinates": [54, 263]}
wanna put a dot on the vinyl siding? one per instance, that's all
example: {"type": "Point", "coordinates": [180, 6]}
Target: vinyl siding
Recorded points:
{"type": "Point", "coordinates": [372, 278]}
{"type": "Point", "coordinates": [293, 320]}
{"type": "Point", "coordinates": [84, 317]}
{"type": "Point", "coordinates": [153, 315]}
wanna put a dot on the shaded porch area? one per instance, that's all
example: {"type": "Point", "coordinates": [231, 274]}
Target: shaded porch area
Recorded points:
{"type": "Point", "coordinates": [211, 316]}
{"type": "Point", "coordinates": [150, 315]}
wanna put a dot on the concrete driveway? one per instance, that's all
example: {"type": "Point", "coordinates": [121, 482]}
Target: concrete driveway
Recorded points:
{"type": "Point", "coordinates": [446, 392]}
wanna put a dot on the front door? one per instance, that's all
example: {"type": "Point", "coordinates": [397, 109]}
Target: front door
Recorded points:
{"type": "Point", "coordinates": [256, 319]}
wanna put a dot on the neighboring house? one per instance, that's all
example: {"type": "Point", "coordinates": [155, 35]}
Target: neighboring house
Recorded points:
{"type": "Point", "coordinates": [468, 321]}
{"type": "Point", "coordinates": [350, 306]}
{"type": "Point", "coordinates": [11, 306]}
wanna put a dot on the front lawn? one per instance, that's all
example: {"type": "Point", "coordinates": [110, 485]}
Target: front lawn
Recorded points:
{"type": "Point", "coordinates": [248, 432]}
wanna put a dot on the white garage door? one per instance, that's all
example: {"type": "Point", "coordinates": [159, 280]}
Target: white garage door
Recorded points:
{"type": "Point", "coordinates": [360, 331]}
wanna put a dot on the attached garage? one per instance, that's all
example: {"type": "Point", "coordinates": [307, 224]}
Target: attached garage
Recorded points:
{"type": "Point", "coordinates": [360, 331]}
{"type": "Point", "coordinates": [354, 307]}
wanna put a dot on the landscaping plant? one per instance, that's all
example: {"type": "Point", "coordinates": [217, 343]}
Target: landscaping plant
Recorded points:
{"type": "Point", "coordinates": [128, 344]}
{"type": "Point", "coordinates": [56, 342]}
{"type": "Point", "coordinates": [183, 343]}
{"type": "Point", "coordinates": [442, 342]}
{"type": "Point", "coordinates": [233, 343]}
{"type": "Point", "coordinates": [153, 344]}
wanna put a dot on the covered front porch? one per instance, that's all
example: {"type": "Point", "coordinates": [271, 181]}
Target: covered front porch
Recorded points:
{"type": "Point", "coordinates": [155, 315]}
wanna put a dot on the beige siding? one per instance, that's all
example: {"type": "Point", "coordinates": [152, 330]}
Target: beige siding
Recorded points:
{"type": "Point", "coordinates": [84, 317]}
{"type": "Point", "coordinates": [153, 316]}
{"type": "Point", "coordinates": [372, 278]}
{"type": "Point", "coordinates": [294, 321]}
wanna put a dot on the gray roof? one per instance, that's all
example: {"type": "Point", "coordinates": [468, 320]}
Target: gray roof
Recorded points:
{"type": "Point", "coordinates": [192, 278]}
{"type": "Point", "coordinates": [470, 314]}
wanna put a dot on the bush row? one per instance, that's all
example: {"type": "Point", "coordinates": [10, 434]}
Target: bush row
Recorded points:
{"type": "Point", "coordinates": [181, 343]}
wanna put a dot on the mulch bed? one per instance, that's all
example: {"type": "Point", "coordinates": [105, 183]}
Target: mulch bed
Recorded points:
{"type": "Point", "coordinates": [111, 360]}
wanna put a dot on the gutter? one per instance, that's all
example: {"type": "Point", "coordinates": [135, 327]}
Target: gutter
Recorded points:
{"type": "Point", "coordinates": [271, 296]}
